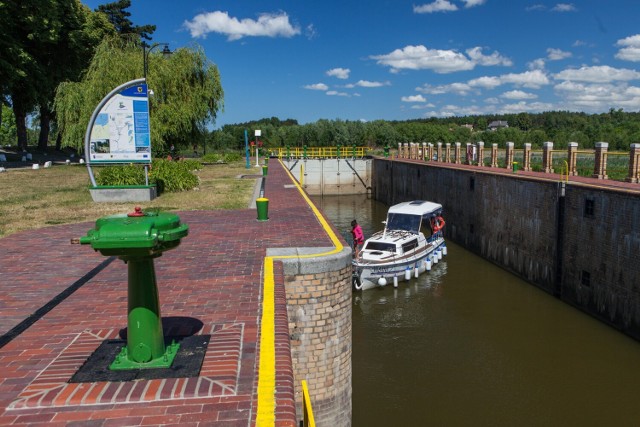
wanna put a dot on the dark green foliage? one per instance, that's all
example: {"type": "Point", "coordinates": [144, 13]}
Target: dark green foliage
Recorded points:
{"type": "Point", "coordinates": [120, 175]}
{"type": "Point", "coordinates": [119, 18]}
{"type": "Point", "coordinates": [173, 176]}
{"type": "Point", "coordinates": [211, 158]}
{"type": "Point", "coordinates": [618, 128]}
{"type": "Point", "coordinates": [232, 157]}
{"type": "Point", "coordinates": [167, 175]}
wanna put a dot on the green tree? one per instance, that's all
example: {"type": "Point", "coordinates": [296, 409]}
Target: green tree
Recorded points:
{"type": "Point", "coordinates": [117, 14]}
{"type": "Point", "coordinates": [187, 92]}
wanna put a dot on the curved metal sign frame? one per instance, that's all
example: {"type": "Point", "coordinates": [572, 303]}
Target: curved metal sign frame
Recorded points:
{"type": "Point", "coordinates": [139, 122]}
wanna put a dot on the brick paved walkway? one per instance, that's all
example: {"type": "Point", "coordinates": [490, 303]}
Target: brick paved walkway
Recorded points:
{"type": "Point", "coordinates": [59, 301]}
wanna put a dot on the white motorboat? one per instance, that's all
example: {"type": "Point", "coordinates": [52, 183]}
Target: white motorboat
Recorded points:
{"type": "Point", "coordinates": [410, 244]}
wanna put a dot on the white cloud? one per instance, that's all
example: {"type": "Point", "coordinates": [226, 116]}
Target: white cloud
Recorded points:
{"type": "Point", "coordinates": [475, 53]}
{"type": "Point", "coordinates": [486, 82]}
{"type": "Point", "coordinates": [336, 93]}
{"type": "Point", "coordinates": [413, 98]}
{"type": "Point", "coordinates": [267, 25]}
{"type": "Point", "coordinates": [518, 94]}
{"type": "Point", "coordinates": [473, 3]}
{"type": "Point", "coordinates": [340, 73]}
{"type": "Point", "coordinates": [630, 48]}
{"type": "Point", "coordinates": [421, 58]}
{"type": "Point", "coordinates": [532, 79]}
{"type": "Point", "coordinates": [598, 97]}
{"type": "Point", "coordinates": [421, 106]}
{"type": "Point", "coordinates": [317, 86]}
{"type": "Point", "coordinates": [598, 74]}
{"type": "Point", "coordinates": [535, 7]}
{"type": "Point", "coordinates": [367, 83]}
{"type": "Point", "coordinates": [537, 64]}
{"type": "Point", "coordinates": [457, 88]}
{"type": "Point", "coordinates": [436, 6]}
{"type": "Point", "coordinates": [564, 7]}
{"type": "Point", "coordinates": [557, 54]}
{"type": "Point", "coordinates": [519, 107]}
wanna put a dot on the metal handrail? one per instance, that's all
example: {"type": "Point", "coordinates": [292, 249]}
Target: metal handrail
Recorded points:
{"type": "Point", "coordinates": [307, 420]}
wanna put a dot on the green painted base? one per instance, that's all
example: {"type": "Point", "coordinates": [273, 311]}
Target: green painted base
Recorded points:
{"type": "Point", "coordinates": [122, 361]}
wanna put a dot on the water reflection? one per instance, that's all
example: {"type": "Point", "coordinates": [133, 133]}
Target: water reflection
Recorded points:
{"type": "Point", "coordinates": [470, 344]}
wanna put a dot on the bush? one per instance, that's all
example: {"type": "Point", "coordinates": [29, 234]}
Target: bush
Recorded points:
{"type": "Point", "coordinates": [211, 158]}
{"type": "Point", "coordinates": [173, 176]}
{"type": "Point", "coordinates": [232, 157]}
{"type": "Point", "coordinates": [120, 175]}
{"type": "Point", "coordinates": [167, 175]}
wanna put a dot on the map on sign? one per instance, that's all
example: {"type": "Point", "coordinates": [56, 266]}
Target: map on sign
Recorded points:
{"type": "Point", "coordinates": [120, 132]}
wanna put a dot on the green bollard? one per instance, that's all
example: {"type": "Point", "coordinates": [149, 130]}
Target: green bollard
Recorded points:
{"type": "Point", "coordinates": [515, 167]}
{"type": "Point", "coordinates": [264, 170]}
{"type": "Point", "coordinates": [262, 205]}
{"type": "Point", "coordinates": [138, 238]}
{"type": "Point", "coordinates": [386, 150]}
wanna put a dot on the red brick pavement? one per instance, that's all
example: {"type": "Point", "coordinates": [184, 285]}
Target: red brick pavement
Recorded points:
{"type": "Point", "coordinates": [214, 277]}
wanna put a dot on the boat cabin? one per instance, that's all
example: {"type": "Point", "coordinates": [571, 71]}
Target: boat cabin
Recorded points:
{"type": "Point", "coordinates": [403, 227]}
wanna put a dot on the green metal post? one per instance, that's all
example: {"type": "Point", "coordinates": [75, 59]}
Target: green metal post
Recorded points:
{"type": "Point", "coordinates": [304, 152]}
{"type": "Point", "coordinates": [145, 338]}
{"type": "Point", "coordinates": [338, 151]}
{"type": "Point", "coordinates": [386, 150]}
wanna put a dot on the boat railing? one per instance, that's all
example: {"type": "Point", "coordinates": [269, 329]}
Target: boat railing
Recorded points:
{"type": "Point", "coordinates": [435, 236]}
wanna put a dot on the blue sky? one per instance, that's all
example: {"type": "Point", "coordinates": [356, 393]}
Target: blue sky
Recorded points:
{"type": "Point", "coordinates": [399, 60]}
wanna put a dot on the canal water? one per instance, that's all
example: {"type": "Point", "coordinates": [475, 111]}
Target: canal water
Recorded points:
{"type": "Point", "coordinates": [469, 344]}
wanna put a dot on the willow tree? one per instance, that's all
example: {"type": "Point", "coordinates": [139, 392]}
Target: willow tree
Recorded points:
{"type": "Point", "coordinates": [187, 93]}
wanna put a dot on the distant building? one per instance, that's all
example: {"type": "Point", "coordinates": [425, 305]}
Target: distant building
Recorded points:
{"type": "Point", "coordinates": [468, 126]}
{"type": "Point", "coordinates": [498, 124]}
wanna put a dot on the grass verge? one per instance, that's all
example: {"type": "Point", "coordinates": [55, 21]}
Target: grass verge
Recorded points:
{"type": "Point", "coordinates": [31, 199]}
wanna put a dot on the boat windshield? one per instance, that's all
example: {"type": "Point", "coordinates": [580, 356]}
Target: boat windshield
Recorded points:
{"type": "Point", "coordinates": [380, 246]}
{"type": "Point", "coordinates": [399, 221]}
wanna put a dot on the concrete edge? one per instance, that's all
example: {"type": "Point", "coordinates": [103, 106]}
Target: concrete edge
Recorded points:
{"type": "Point", "coordinates": [310, 260]}
{"type": "Point", "coordinates": [256, 193]}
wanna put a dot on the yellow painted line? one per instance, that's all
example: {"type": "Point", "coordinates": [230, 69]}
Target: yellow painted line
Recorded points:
{"type": "Point", "coordinates": [265, 413]}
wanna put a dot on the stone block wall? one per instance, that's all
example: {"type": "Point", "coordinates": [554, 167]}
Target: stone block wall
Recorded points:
{"type": "Point", "coordinates": [319, 311]}
{"type": "Point", "coordinates": [578, 243]}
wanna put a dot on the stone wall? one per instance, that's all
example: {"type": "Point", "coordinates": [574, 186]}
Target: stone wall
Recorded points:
{"type": "Point", "coordinates": [576, 242]}
{"type": "Point", "coordinates": [319, 309]}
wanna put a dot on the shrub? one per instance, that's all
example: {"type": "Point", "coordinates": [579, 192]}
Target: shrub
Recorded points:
{"type": "Point", "coordinates": [211, 158]}
{"type": "Point", "coordinates": [120, 175]}
{"type": "Point", "coordinates": [167, 175]}
{"type": "Point", "coordinates": [232, 157]}
{"type": "Point", "coordinates": [173, 176]}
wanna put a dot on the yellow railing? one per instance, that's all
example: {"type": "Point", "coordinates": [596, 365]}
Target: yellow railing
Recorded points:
{"type": "Point", "coordinates": [346, 151]}
{"type": "Point", "coordinates": [307, 420]}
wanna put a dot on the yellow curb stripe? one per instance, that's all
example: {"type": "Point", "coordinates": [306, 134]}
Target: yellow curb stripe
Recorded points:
{"type": "Point", "coordinates": [265, 413]}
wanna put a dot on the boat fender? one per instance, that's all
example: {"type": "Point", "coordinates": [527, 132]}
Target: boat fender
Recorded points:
{"type": "Point", "coordinates": [407, 273]}
{"type": "Point", "coordinates": [416, 273]}
{"type": "Point", "coordinates": [439, 253]}
{"type": "Point", "coordinates": [444, 250]}
{"type": "Point", "coordinates": [357, 283]}
{"type": "Point", "coordinates": [395, 281]}
{"type": "Point", "coordinates": [435, 257]}
{"type": "Point", "coordinates": [428, 264]}
{"type": "Point", "coordinates": [382, 281]}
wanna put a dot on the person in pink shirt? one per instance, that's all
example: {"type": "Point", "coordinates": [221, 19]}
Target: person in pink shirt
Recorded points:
{"type": "Point", "coordinates": [358, 237]}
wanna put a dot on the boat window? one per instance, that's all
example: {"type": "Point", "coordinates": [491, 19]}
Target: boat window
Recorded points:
{"type": "Point", "coordinates": [380, 246]}
{"type": "Point", "coordinates": [398, 221]}
{"type": "Point", "coordinates": [409, 246]}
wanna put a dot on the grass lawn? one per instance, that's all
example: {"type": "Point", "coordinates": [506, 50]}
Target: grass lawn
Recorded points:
{"type": "Point", "coordinates": [31, 199]}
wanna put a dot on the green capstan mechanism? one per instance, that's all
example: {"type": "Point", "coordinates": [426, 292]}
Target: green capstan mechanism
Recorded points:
{"type": "Point", "coordinates": [137, 238]}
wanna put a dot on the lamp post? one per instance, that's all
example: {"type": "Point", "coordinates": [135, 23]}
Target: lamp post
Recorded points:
{"type": "Point", "coordinates": [166, 52]}
{"type": "Point", "coordinates": [258, 133]}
